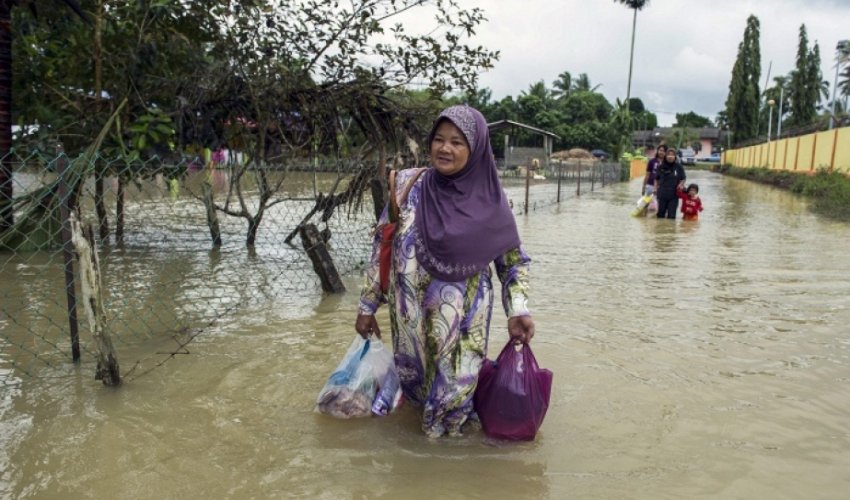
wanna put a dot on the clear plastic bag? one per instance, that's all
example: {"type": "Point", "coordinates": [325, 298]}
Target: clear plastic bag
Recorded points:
{"type": "Point", "coordinates": [512, 394]}
{"type": "Point", "coordinates": [353, 387]}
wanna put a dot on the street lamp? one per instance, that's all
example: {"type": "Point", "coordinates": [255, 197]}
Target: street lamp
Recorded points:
{"type": "Point", "coordinates": [770, 103]}
{"type": "Point", "coordinates": [839, 50]}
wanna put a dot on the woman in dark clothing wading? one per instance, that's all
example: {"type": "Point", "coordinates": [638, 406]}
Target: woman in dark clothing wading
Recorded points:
{"type": "Point", "coordinates": [669, 177]}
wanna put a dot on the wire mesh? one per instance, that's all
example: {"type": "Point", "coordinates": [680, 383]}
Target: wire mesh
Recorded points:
{"type": "Point", "coordinates": [164, 280]}
{"type": "Point", "coordinates": [556, 182]}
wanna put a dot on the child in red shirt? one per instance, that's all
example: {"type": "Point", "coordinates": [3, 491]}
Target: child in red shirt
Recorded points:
{"type": "Point", "coordinates": [691, 203]}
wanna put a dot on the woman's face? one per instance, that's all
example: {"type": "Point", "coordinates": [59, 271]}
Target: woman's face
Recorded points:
{"type": "Point", "coordinates": [671, 156]}
{"type": "Point", "coordinates": [660, 153]}
{"type": "Point", "coordinates": [449, 149]}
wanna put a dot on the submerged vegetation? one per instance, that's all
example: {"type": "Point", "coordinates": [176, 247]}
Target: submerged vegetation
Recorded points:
{"type": "Point", "coordinates": [829, 191]}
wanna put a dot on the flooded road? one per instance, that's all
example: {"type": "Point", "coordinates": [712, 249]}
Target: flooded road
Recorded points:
{"type": "Point", "coordinates": [691, 360]}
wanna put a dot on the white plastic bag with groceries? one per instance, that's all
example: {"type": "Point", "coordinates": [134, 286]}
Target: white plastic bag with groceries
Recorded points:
{"type": "Point", "coordinates": [365, 382]}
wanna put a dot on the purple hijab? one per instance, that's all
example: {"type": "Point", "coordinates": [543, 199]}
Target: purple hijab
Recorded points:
{"type": "Point", "coordinates": [463, 220]}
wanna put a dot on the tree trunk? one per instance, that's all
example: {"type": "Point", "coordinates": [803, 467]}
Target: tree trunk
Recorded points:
{"type": "Point", "coordinates": [7, 216]}
{"type": "Point", "coordinates": [253, 226]}
{"type": "Point", "coordinates": [631, 63]}
{"type": "Point", "coordinates": [379, 195]}
{"type": "Point", "coordinates": [107, 370]}
{"type": "Point", "coordinates": [212, 216]}
{"type": "Point", "coordinates": [323, 264]}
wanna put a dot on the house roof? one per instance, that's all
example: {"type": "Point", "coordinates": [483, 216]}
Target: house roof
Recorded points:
{"type": "Point", "coordinates": [711, 133]}
{"type": "Point", "coordinates": [510, 124]}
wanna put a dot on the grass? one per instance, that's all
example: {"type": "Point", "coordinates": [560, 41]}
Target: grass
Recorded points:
{"type": "Point", "coordinates": [829, 192]}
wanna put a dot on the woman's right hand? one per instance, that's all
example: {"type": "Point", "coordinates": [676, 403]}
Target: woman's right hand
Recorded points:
{"type": "Point", "coordinates": [366, 324]}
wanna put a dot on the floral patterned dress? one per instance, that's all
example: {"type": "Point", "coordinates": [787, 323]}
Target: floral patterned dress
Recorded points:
{"type": "Point", "coordinates": [439, 328]}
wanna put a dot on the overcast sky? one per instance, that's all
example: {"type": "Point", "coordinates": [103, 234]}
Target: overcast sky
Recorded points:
{"type": "Point", "coordinates": [684, 49]}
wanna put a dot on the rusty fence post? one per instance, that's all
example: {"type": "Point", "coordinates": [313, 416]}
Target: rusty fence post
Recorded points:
{"type": "Point", "coordinates": [65, 209]}
{"type": "Point", "coordinates": [527, 184]}
{"type": "Point", "coordinates": [578, 179]}
{"type": "Point", "coordinates": [560, 174]}
{"type": "Point", "coordinates": [592, 176]}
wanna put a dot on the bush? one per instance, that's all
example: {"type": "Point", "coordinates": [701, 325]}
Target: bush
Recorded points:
{"type": "Point", "coordinates": [829, 191]}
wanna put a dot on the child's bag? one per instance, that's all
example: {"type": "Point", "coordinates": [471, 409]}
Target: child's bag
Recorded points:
{"type": "Point", "coordinates": [512, 394]}
{"type": "Point", "coordinates": [353, 386]}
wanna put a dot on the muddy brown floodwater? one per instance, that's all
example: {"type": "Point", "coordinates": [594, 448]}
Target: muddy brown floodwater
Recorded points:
{"type": "Point", "coordinates": [691, 360]}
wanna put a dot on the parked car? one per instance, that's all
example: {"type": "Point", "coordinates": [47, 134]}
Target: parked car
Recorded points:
{"type": "Point", "coordinates": [687, 156]}
{"type": "Point", "coordinates": [602, 155]}
{"type": "Point", "coordinates": [713, 158]}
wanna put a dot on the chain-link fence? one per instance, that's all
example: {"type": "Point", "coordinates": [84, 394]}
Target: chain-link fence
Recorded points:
{"type": "Point", "coordinates": [532, 190]}
{"type": "Point", "coordinates": [184, 243]}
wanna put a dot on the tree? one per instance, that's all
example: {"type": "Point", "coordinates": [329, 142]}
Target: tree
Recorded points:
{"type": "Point", "coordinates": [683, 137]}
{"type": "Point", "coordinates": [820, 87]}
{"type": "Point", "coordinates": [742, 102]}
{"type": "Point", "coordinates": [582, 84]}
{"type": "Point", "coordinates": [780, 91]}
{"type": "Point", "coordinates": [301, 67]}
{"type": "Point", "coordinates": [641, 118]}
{"type": "Point", "coordinates": [645, 120]}
{"type": "Point", "coordinates": [635, 5]}
{"type": "Point", "coordinates": [279, 81]}
{"type": "Point", "coordinates": [636, 105]}
{"type": "Point", "coordinates": [141, 51]}
{"type": "Point", "coordinates": [7, 217]}
{"type": "Point", "coordinates": [584, 121]}
{"type": "Point", "coordinates": [505, 109]}
{"type": "Point", "coordinates": [533, 101]}
{"type": "Point", "coordinates": [693, 120]}
{"type": "Point", "coordinates": [806, 82]}
{"type": "Point", "coordinates": [843, 60]}
{"type": "Point", "coordinates": [722, 119]}
{"type": "Point", "coordinates": [562, 86]}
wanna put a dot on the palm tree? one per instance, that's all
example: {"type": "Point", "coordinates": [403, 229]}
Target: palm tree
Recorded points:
{"type": "Point", "coordinates": [844, 59]}
{"type": "Point", "coordinates": [562, 87]}
{"type": "Point", "coordinates": [844, 83]}
{"type": "Point", "coordinates": [6, 190]}
{"type": "Point", "coordinates": [635, 5]}
{"type": "Point", "coordinates": [538, 90]}
{"type": "Point", "coordinates": [582, 84]}
{"type": "Point", "coordinates": [780, 93]}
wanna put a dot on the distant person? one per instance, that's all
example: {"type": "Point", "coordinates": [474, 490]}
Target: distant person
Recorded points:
{"type": "Point", "coordinates": [649, 179]}
{"type": "Point", "coordinates": [691, 202]}
{"type": "Point", "coordinates": [669, 177]}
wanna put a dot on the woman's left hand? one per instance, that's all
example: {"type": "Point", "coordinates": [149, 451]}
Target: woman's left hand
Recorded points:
{"type": "Point", "coordinates": [521, 329]}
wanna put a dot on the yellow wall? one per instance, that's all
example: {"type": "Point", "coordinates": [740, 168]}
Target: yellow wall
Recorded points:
{"type": "Point", "coordinates": [791, 155]}
{"type": "Point", "coordinates": [842, 151]}
{"type": "Point", "coordinates": [637, 168]}
{"type": "Point", "coordinates": [823, 154]}
{"type": "Point", "coordinates": [779, 153]}
{"type": "Point", "coordinates": [829, 149]}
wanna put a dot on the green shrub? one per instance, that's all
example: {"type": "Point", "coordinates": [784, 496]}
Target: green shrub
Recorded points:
{"type": "Point", "coordinates": [829, 191]}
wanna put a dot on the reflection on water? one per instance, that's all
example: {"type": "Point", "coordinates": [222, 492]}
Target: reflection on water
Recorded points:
{"type": "Point", "coordinates": [704, 359]}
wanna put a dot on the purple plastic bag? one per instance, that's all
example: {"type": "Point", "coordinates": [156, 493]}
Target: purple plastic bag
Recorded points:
{"type": "Point", "coordinates": [512, 394]}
